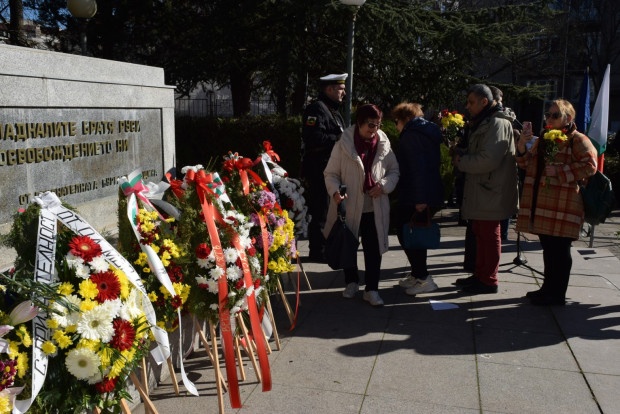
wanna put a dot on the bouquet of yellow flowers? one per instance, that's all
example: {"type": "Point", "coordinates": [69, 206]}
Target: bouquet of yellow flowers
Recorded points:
{"type": "Point", "coordinates": [552, 139]}
{"type": "Point", "coordinates": [453, 124]}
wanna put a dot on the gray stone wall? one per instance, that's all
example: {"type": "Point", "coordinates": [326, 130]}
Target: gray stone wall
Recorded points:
{"type": "Point", "coordinates": [73, 124]}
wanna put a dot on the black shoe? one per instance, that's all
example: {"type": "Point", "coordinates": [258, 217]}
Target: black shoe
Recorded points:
{"type": "Point", "coordinates": [546, 300]}
{"type": "Point", "coordinates": [465, 281]}
{"type": "Point", "coordinates": [478, 287]}
{"type": "Point", "coordinates": [534, 293]}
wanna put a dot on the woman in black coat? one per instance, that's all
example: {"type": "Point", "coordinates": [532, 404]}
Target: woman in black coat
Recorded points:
{"type": "Point", "coordinates": [420, 185]}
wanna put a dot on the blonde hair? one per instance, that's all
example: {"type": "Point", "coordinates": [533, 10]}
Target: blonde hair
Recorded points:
{"type": "Point", "coordinates": [405, 111]}
{"type": "Point", "coordinates": [565, 107]}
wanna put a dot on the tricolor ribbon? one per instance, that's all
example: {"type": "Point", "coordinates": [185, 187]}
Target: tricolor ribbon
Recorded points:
{"type": "Point", "coordinates": [269, 151]}
{"type": "Point", "coordinates": [160, 272]}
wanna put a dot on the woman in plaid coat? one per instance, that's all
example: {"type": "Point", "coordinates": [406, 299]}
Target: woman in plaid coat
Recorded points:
{"type": "Point", "coordinates": [551, 205]}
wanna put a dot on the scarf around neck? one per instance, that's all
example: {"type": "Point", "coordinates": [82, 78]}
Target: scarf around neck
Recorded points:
{"type": "Point", "coordinates": [367, 150]}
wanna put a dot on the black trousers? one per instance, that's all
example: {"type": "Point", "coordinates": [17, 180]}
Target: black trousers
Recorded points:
{"type": "Point", "coordinates": [372, 255]}
{"type": "Point", "coordinates": [417, 257]}
{"type": "Point", "coordinates": [317, 208]}
{"type": "Point", "coordinates": [558, 263]}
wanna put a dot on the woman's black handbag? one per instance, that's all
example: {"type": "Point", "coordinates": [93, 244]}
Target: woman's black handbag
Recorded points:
{"type": "Point", "coordinates": [418, 235]}
{"type": "Point", "coordinates": [598, 198]}
{"type": "Point", "coordinates": [341, 245]}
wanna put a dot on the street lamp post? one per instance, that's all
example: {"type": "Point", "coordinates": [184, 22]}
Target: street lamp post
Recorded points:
{"type": "Point", "coordinates": [83, 9]}
{"type": "Point", "coordinates": [349, 82]}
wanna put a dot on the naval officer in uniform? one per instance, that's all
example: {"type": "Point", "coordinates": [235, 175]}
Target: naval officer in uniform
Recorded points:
{"type": "Point", "coordinates": [322, 127]}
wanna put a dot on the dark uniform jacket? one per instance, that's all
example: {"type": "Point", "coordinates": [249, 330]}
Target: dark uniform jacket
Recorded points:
{"type": "Point", "coordinates": [322, 125]}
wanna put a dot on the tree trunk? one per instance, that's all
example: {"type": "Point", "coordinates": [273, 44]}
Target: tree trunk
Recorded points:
{"type": "Point", "coordinates": [241, 91]}
{"type": "Point", "coordinates": [16, 26]}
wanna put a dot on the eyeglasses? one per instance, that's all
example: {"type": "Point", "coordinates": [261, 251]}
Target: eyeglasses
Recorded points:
{"type": "Point", "coordinates": [372, 125]}
{"type": "Point", "coordinates": [553, 115]}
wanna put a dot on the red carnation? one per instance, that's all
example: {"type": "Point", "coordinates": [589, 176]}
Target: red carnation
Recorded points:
{"type": "Point", "coordinates": [108, 285]}
{"type": "Point", "coordinates": [84, 247]}
{"type": "Point", "coordinates": [256, 283]}
{"type": "Point", "coordinates": [252, 251]}
{"type": "Point", "coordinates": [239, 284]}
{"type": "Point", "coordinates": [107, 385]}
{"type": "Point", "coordinates": [203, 251]}
{"type": "Point", "coordinates": [124, 335]}
{"type": "Point", "coordinates": [558, 140]}
{"type": "Point", "coordinates": [177, 302]}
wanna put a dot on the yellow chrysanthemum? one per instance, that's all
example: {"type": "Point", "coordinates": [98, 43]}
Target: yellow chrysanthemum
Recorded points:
{"type": "Point", "coordinates": [155, 247]}
{"type": "Point", "coordinates": [153, 296]}
{"type": "Point", "coordinates": [272, 265]}
{"type": "Point", "coordinates": [71, 328]}
{"type": "Point", "coordinates": [141, 260]}
{"type": "Point", "coordinates": [91, 344]}
{"type": "Point", "coordinates": [66, 289]}
{"type": "Point", "coordinates": [106, 355]}
{"type": "Point", "coordinates": [23, 334]}
{"type": "Point", "coordinates": [52, 323]}
{"type": "Point", "coordinates": [13, 349]}
{"type": "Point", "coordinates": [124, 283]}
{"type": "Point", "coordinates": [62, 339]}
{"type": "Point", "coordinates": [87, 305]}
{"type": "Point", "coordinates": [88, 289]}
{"type": "Point", "coordinates": [5, 405]}
{"type": "Point", "coordinates": [117, 368]}
{"type": "Point", "coordinates": [164, 292]}
{"type": "Point", "coordinates": [22, 364]}
{"type": "Point", "coordinates": [146, 269]}
{"type": "Point", "coordinates": [48, 347]}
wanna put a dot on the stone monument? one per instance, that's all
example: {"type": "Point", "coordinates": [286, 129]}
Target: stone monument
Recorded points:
{"type": "Point", "coordinates": [73, 125]}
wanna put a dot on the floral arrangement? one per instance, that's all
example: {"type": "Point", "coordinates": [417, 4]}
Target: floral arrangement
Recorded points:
{"type": "Point", "coordinates": [552, 139]}
{"type": "Point", "coordinates": [161, 235]}
{"type": "Point", "coordinates": [98, 329]}
{"type": "Point", "coordinates": [15, 346]}
{"type": "Point", "coordinates": [453, 124]}
{"type": "Point", "coordinates": [233, 227]}
{"type": "Point", "coordinates": [290, 191]}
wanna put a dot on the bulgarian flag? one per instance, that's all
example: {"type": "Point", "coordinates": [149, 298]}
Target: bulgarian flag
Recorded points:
{"type": "Point", "coordinates": [600, 119]}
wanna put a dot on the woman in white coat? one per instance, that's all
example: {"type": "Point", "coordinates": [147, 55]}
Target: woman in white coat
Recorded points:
{"type": "Point", "coordinates": [363, 160]}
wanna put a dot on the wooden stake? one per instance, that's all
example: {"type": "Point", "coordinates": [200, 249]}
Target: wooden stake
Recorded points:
{"type": "Point", "coordinates": [248, 347]}
{"type": "Point", "coordinates": [273, 323]}
{"type": "Point", "coordinates": [145, 398]}
{"type": "Point", "coordinates": [205, 344]}
{"type": "Point", "coordinates": [124, 407]}
{"type": "Point", "coordinates": [238, 352]}
{"type": "Point", "coordinates": [173, 376]}
{"type": "Point", "coordinates": [218, 374]}
{"type": "Point", "coordinates": [287, 306]}
{"type": "Point", "coordinates": [303, 272]}
{"type": "Point", "coordinates": [145, 382]}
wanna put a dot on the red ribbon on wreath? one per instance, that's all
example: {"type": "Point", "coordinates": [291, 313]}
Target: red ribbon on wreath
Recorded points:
{"type": "Point", "coordinates": [269, 151]}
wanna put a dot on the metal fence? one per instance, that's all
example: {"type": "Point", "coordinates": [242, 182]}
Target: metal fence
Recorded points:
{"type": "Point", "coordinates": [206, 107]}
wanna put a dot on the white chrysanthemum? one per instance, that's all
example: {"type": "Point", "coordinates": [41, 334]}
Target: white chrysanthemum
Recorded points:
{"type": "Point", "coordinates": [254, 262]}
{"type": "Point", "coordinates": [82, 363]}
{"type": "Point", "coordinates": [82, 271]}
{"type": "Point", "coordinates": [249, 291]}
{"type": "Point", "coordinates": [99, 264]}
{"type": "Point", "coordinates": [235, 310]}
{"type": "Point", "coordinates": [204, 263]}
{"type": "Point", "coordinates": [214, 306]}
{"type": "Point", "coordinates": [98, 377]}
{"type": "Point", "coordinates": [194, 168]}
{"type": "Point", "coordinates": [63, 316]}
{"type": "Point", "coordinates": [246, 242]}
{"type": "Point", "coordinates": [133, 306]}
{"type": "Point", "coordinates": [216, 273]}
{"type": "Point", "coordinates": [96, 324]}
{"type": "Point", "coordinates": [258, 291]}
{"type": "Point", "coordinates": [113, 307]}
{"type": "Point", "coordinates": [201, 280]}
{"type": "Point", "coordinates": [73, 261]}
{"type": "Point", "coordinates": [231, 294]}
{"type": "Point", "coordinates": [213, 286]}
{"type": "Point", "coordinates": [233, 273]}
{"type": "Point", "coordinates": [230, 254]}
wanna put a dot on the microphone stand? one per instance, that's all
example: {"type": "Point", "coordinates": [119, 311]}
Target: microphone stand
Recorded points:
{"type": "Point", "coordinates": [520, 260]}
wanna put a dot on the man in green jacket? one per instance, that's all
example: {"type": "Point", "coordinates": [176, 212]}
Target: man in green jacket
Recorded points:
{"type": "Point", "coordinates": [491, 192]}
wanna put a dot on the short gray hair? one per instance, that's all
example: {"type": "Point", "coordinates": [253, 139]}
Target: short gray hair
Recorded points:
{"type": "Point", "coordinates": [481, 91]}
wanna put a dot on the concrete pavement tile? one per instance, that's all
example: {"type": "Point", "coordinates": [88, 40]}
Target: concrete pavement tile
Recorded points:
{"type": "Point", "coordinates": [517, 389]}
{"type": "Point", "coordinates": [289, 398]}
{"type": "Point", "coordinates": [325, 324]}
{"type": "Point", "coordinates": [597, 355]}
{"type": "Point", "coordinates": [426, 338]}
{"type": "Point", "coordinates": [587, 278]}
{"type": "Point", "coordinates": [318, 364]}
{"type": "Point", "coordinates": [425, 379]}
{"type": "Point", "coordinates": [586, 317]}
{"type": "Point", "coordinates": [374, 405]}
{"type": "Point", "coordinates": [605, 389]}
{"type": "Point", "coordinates": [512, 313]}
{"type": "Point", "coordinates": [529, 349]}
{"type": "Point", "coordinates": [419, 308]}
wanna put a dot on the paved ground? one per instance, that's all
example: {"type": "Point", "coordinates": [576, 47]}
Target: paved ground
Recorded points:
{"type": "Point", "coordinates": [491, 353]}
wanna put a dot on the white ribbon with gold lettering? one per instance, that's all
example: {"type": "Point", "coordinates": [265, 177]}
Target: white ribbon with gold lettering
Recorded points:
{"type": "Point", "coordinates": [44, 273]}
{"type": "Point", "coordinates": [80, 227]}
{"type": "Point", "coordinates": [159, 270]}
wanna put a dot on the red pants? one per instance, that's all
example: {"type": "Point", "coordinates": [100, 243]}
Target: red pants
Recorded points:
{"type": "Point", "coordinates": [488, 250]}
